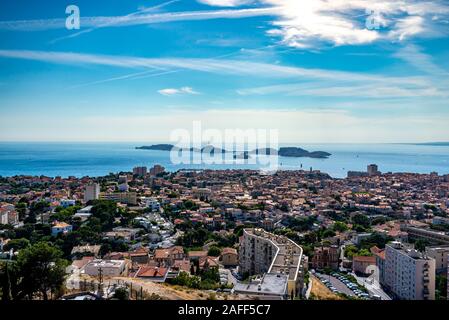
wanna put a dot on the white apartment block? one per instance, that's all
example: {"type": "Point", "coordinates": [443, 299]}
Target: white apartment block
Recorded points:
{"type": "Point", "coordinates": [123, 197]}
{"type": "Point", "coordinates": [152, 204]}
{"type": "Point", "coordinates": [409, 274]}
{"type": "Point", "coordinates": [92, 192]}
{"type": "Point", "coordinates": [106, 267]}
{"type": "Point", "coordinates": [441, 256]}
{"type": "Point", "coordinates": [8, 214]}
{"type": "Point", "coordinates": [3, 217]}
{"type": "Point", "coordinates": [262, 252]}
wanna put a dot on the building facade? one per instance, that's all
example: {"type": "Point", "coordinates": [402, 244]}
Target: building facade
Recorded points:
{"type": "Point", "coordinates": [123, 197]}
{"type": "Point", "coordinates": [60, 227]}
{"type": "Point", "coordinates": [325, 257]}
{"type": "Point", "coordinates": [409, 274]}
{"type": "Point", "coordinates": [140, 171]}
{"type": "Point", "coordinates": [92, 192]}
{"type": "Point", "coordinates": [363, 265]}
{"type": "Point", "coordinates": [433, 237]}
{"type": "Point", "coordinates": [229, 257]}
{"type": "Point", "coordinates": [105, 267]}
{"type": "Point", "coordinates": [262, 252]}
{"type": "Point", "coordinates": [441, 256]}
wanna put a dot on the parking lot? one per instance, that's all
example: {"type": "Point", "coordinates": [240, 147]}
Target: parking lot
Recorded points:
{"type": "Point", "coordinates": [341, 283]}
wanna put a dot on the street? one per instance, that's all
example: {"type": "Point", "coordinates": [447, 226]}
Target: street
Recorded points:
{"type": "Point", "coordinates": [374, 287]}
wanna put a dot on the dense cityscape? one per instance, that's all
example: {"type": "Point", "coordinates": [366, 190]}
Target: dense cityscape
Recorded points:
{"type": "Point", "coordinates": [150, 234]}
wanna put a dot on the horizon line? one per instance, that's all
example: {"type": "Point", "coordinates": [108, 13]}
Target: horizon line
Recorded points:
{"type": "Point", "coordinates": [162, 142]}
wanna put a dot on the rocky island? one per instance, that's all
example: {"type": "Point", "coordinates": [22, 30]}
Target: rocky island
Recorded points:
{"type": "Point", "coordinates": [294, 152]}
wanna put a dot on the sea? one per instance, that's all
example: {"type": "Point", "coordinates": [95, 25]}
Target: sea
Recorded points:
{"type": "Point", "coordinates": [99, 159]}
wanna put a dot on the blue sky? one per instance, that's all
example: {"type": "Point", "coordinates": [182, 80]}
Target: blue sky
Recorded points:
{"type": "Point", "coordinates": [313, 69]}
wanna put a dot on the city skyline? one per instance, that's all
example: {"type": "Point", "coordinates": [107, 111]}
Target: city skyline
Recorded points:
{"type": "Point", "coordinates": [316, 71]}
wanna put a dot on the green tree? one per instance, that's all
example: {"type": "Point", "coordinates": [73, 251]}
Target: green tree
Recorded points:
{"type": "Point", "coordinates": [21, 208]}
{"type": "Point", "coordinates": [214, 251]}
{"type": "Point", "coordinates": [10, 281]}
{"type": "Point", "coordinates": [328, 233]}
{"type": "Point", "coordinates": [421, 244]}
{"type": "Point", "coordinates": [340, 226]}
{"type": "Point", "coordinates": [121, 294]}
{"type": "Point", "coordinates": [378, 220]}
{"type": "Point", "coordinates": [42, 269]}
{"type": "Point", "coordinates": [105, 211]}
{"type": "Point", "coordinates": [5, 282]}
{"type": "Point", "coordinates": [350, 251]}
{"type": "Point", "coordinates": [17, 244]}
{"type": "Point", "coordinates": [365, 253]}
{"type": "Point", "coordinates": [441, 287]}
{"type": "Point", "coordinates": [361, 219]}
{"type": "Point", "coordinates": [105, 249]}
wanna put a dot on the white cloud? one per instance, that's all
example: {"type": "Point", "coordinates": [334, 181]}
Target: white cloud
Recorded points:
{"type": "Point", "coordinates": [140, 11]}
{"type": "Point", "coordinates": [218, 66]}
{"type": "Point", "coordinates": [338, 83]}
{"type": "Point", "coordinates": [298, 23]}
{"type": "Point", "coordinates": [188, 90]}
{"type": "Point", "coordinates": [168, 92]}
{"type": "Point", "coordinates": [414, 56]}
{"type": "Point", "coordinates": [225, 3]}
{"type": "Point", "coordinates": [305, 23]}
{"type": "Point", "coordinates": [172, 91]}
{"type": "Point", "coordinates": [138, 19]}
{"type": "Point", "coordinates": [408, 27]}
{"type": "Point", "coordinates": [376, 90]}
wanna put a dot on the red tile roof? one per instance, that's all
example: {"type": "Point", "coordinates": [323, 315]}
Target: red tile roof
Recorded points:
{"type": "Point", "coordinates": [211, 261]}
{"type": "Point", "coordinates": [197, 254]}
{"type": "Point", "coordinates": [151, 272]}
{"type": "Point", "coordinates": [229, 251]}
{"type": "Point", "coordinates": [165, 253]}
{"type": "Point", "coordinates": [368, 259]}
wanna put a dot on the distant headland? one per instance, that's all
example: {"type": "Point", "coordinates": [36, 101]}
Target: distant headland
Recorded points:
{"type": "Point", "coordinates": [438, 144]}
{"type": "Point", "coordinates": [293, 152]}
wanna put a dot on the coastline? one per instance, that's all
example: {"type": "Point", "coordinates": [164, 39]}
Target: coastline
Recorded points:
{"type": "Point", "coordinates": [99, 159]}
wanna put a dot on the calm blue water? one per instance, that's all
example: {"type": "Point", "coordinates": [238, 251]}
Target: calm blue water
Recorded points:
{"type": "Point", "coordinates": [97, 159]}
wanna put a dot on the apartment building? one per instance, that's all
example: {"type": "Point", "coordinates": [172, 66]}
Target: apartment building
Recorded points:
{"type": "Point", "coordinates": [380, 262]}
{"type": "Point", "coordinates": [325, 257]}
{"type": "Point", "coordinates": [140, 171]}
{"type": "Point", "coordinates": [92, 192]}
{"type": "Point", "coordinates": [267, 287]}
{"type": "Point", "coordinates": [157, 169]}
{"type": "Point", "coordinates": [60, 227]}
{"type": "Point", "coordinates": [111, 268]}
{"type": "Point", "coordinates": [262, 252]}
{"type": "Point", "coordinates": [8, 214]}
{"type": "Point", "coordinates": [152, 203]}
{"type": "Point", "coordinates": [409, 274]}
{"type": "Point", "coordinates": [441, 256]}
{"type": "Point", "coordinates": [123, 197]}
{"type": "Point", "coordinates": [373, 170]}
{"type": "Point", "coordinates": [434, 237]}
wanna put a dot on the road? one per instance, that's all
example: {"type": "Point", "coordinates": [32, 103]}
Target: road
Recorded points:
{"type": "Point", "coordinates": [374, 287]}
{"type": "Point", "coordinates": [231, 272]}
